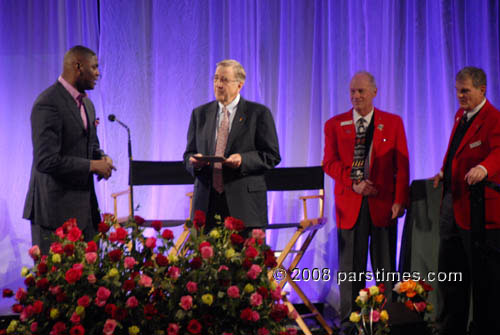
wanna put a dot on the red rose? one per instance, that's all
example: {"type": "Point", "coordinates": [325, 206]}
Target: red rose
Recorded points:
{"type": "Point", "coordinates": [251, 252]}
{"type": "Point", "coordinates": [84, 301]}
{"type": "Point", "coordinates": [29, 281]}
{"type": "Point", "coordinates": [246, 314]}
{"type": "Point", "coordinates": [161, 260]}
{"type": "Point", "coordinates": [37, 307]}
{"type": "Point", "coordinates": [236, 239]}
{"type": "Point", "coordinates": [199, 219]}
{"type": "Point", "coordinates": [167, 234]}
{"type": "Point", "coordinates": [263, 292]}
{"type": "Point", "coordinates": [7, 293]}
{"type": "Point", "coordinates": [195, 263]}
{"type": "Point", "coordinates": [42, 283]}
{"type": "Point", "coordinates": [120, 314]}
{"type": "Point", "coordinates": [73, 275]}
{"type": "Point", "coordinates": [110, 309]}
{"type": "Point", "coordinates": [149, 311]}
{"type": "Point", "coordinates": [42, 269]}
{"type": "Point", "coordinates": [156, 225]}
{"type": "Point", "coordinates": [74, 234]}
{"type": "Point", "coordinates": [56, 248]}
{"type": "Point", "coordinates": [115, 255]}
{"type": "Point", "coordinates": [148, 264]}
{"type": "Point", "coordinates": [381, 288]}
{"type": "Point", "coordinates": [139, 220]}
{"type": "Point", "coordinates": [269, 259]}
{"type": "Point", "coordinates": [61, 297]}
{"type": "Point", "coordinates": [194, 327]}
{"type": "Point", "coordinates": [69, 249]}
{"type": "Point", "coordinates": [204, 244]}
{"type": "Point", "coordinates": [247, 263]}
{"type": "Point", "coordinates": [103, 227]}
{"type": "Point", "coordinates": [128, 285]}
{"type": "Point", "coordinates": [91, 247]}
{"type": "Point", "coordinates": [17, 308]}
{"type": "Point", "coordinates": [279, 312]}
{"type": "Point", "coordinates": [58, 328]}
{"type": "Point", "coordinates": [77, 330]}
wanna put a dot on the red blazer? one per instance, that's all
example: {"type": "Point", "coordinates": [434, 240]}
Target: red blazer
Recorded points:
{"type": "Point", "coordinates": [389, 167]}
{"type": "Point", "coordinates": [480, 145]}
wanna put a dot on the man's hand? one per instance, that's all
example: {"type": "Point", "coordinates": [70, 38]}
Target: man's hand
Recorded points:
{"type": "Point", "coordinates": [197, 164]}
{"type": "Point", "coordinates": [397, 210]}
{"type": "Point", "coordinates": [233, 161]}
{"type": "Point", "coordinates": [365, 188]}
{"type": "Point", "coordinates": [475, 175]}
{"type": "Point", "coordinates": [102, 167]}
{"type": "Point", "coordinates": [436, 179]}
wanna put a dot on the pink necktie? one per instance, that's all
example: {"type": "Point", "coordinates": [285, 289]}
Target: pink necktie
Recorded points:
{"type": "Point", "coordinates": [82, 110]}
{"type": "Point", "coordinates": [220, 147]}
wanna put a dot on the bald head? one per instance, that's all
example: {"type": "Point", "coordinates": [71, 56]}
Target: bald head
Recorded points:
{"type": "Point", "coordinates": [80, 68]}
{"type": "Point", "coordinates": [363, 90]}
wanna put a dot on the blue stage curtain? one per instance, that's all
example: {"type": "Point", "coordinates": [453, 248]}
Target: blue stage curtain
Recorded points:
{"type": "Point", "coordinates": [157, 59]}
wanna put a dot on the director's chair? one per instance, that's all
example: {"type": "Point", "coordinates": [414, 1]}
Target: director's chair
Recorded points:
{"type": "Point", "coordinates": [299, 179]}
{"type": "Point", "coordinates": [143, 173]}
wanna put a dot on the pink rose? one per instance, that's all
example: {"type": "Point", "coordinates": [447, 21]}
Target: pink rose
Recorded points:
{"type": "Point", "coordinates": [145, 281]}
{"type": "Point", "coordinates": [91, 278]}
{"type": "Point", "coordinates": [129, 262]}
{"type": "Point", "coordinates": [91, 257]}
{"type": "Point", "coordinates": [256, 299]}
{"type": "Point", "coordinates": [233, 291]}
{"type": "Point", "coordinates": [223, 268]}
{"type": "Point", "coordinates": [26, 313]}
{"type": "Point", "coordinates": [262, 331]}
{"type": "Point", "coordinates": [101, 296]}
{"type": "Point", "coordinates": [375, 315]}
{"type": "Point", "coordinates": [258, 234]}
{"type": "Point", "coordinates": [276, 294]}
{"type": "Point", "coordinates": [151, 242]}
{"type": "Point", "coordinates": [75, 318]}
{"type": "Point", "coordinates": [21, 294]}
{"type": "Point", "coordinates": [109, 327]}
{"type": "Point", "coordinates": [254, 271]}
{"type": "Point", "coordinates": [173, 329]}
{"type": "Point", "coordinates": [207, 252]}
{"type": "Point", "coordinates": [174, 272]}
{"type": "Point", "coordinates": [55, 290]}
{"type": "Point", "coordinates": [34, 252]}
{"type": "Point", "coordinates": [132, 302]}
{"type": "Point", "coordinates": [186, 302]}
{"type": "Point", "coordinates": [192, 287]}
{"type": "Point", "coordinates": [255, 316]}
{"type": "Point", "coordinates": [34, 327]}
{"type": "Point", "coordinates": [420, 306]}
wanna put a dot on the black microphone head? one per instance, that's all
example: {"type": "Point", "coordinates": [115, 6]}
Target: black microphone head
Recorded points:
{"type": "Point", "coordinates": [111, 117]}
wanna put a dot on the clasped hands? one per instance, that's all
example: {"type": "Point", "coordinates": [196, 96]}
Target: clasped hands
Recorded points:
{"type": "Point", "coordinates": [367, 189]}
{"type": "Point", "coordinates": [102, 167]}
{"type": "Point", "coordinates": [233, 161]}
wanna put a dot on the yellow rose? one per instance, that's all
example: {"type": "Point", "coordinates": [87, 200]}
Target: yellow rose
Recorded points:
{"type": "Point", "coordinates": [79, 310]}
{"type": "Point", "coordinates": [215, 233]}
{"type": "Point", "coordinates": [54, 313]}
{"type": "Point", "coordinates": [373, 290]}
{"type": "Point", "coordinates": [56, 258]}
{"type": "Point", "coordinates": [172, 258]}
{"type": "Point", "coordinates": [24, 271]}
{"type": "Point", "coordinates": [354, 317]}
{"type": "Point", "coordinates": [113, 272]}
{"type": "Point", "coordinates": [384, 316]}
{"type": "Point", "coordinates": [207, 299]}
{"type": "Point", "coordinates": [273, 285]}
{"type": "Point", "coordinates": [248, 288]}
{"type": "Point", "coordinates": [419, 289]}
{"type": "Point", "coordinates": [230, 253]}
{"type": "Point", "coordinates": [12, 327]}
{"type": "Point", "coordinates": [134, 330]}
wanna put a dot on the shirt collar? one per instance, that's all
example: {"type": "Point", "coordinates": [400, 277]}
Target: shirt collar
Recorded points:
{"type": "Point", "coordinates": [476, 110]}
{"type": "Point", "coordinates": [77, 96]}
{"type": "Point", "coordinates": [232, 106]}
{"type": "Point", "coordinates": [356, 116]}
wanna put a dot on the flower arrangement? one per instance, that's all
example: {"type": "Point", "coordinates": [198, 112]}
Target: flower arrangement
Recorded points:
{"type": "Point", "coordinates": [414, 296]}
{"type": "Point", "coordinates": [372, 319]}
{"type": "Point", "coordinates": [125, 282]}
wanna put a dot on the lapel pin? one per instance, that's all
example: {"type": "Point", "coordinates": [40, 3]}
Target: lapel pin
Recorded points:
{"type": "Point", "coordinates": [241, 119]}
{"type": "Point", "coordinates": [380, 127]}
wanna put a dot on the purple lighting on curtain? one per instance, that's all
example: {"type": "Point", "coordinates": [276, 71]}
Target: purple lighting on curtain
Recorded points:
{"type": "Point", "coordinates": [157, 58]}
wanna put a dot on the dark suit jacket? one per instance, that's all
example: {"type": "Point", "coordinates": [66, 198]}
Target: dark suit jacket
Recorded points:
{"type": "Point", "coordinates": [61, 185]}
{"type": "Point", "coordinates": [480, 146]}
{"type": "Point", "coordinates": [389, 167]}
{"type": "Point", "coordinates": [253, 135]}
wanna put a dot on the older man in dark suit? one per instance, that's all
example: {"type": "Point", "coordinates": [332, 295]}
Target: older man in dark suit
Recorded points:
{"type": "Point", "coordinates": [241, 131]}
{"type": "Point", "coordinates": [66, 152]}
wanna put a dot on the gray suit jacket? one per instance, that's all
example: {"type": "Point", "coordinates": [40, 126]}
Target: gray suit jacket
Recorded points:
{"type": "Point", "coordinates": [253, 135]}
{"type": "Point", "coordinates": [61, 185]}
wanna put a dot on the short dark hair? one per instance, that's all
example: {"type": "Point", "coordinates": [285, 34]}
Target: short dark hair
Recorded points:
{"type": "Point", "coordinates": [82, 51]}
{"type": "Point", "coordinates": [476, 74]}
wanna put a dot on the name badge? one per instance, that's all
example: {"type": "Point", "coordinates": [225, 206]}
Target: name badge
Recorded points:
{"type": "Point", "coordinates": [345, 123]}
{"type": "Point", "coordinates": [474, 144]}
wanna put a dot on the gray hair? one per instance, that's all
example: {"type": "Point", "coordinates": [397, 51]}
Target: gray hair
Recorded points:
{"type": "Point", "coordinates": [239, 71]}
{"type": "Point", "coordinates": [476, 74]}
{"type": "Point", "coordinates": [371, 78]}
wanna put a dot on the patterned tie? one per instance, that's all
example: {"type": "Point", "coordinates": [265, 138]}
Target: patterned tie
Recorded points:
{"type": "Point", "coordinates": [220, 147]}
{"type": "Point", "coordinates": [81, 106]}
{"type": "Point", "coordinates": [358, 163]}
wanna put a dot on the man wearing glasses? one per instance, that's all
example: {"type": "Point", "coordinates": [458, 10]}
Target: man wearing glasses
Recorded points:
{"type": "Point", "coordinates": [243, 133]}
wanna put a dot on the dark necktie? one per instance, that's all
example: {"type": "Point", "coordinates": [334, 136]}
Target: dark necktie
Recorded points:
{"type": "Point", "coordinates": [358, 162]}
{"type": "Point", "coordinates": [220, 147]}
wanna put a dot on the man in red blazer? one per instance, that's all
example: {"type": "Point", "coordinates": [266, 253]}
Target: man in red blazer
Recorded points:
{"type": "Point", "coordinates": [473, 154]}
{"type": "Point", "coordinates": [370, 196]}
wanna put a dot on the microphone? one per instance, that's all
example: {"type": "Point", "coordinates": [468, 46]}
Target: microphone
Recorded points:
{"type": "Point", "coordinates": [112, 118]}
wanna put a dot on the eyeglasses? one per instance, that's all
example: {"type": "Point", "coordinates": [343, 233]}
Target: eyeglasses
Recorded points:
{"type": "Point", "coordinates": [223, 80]}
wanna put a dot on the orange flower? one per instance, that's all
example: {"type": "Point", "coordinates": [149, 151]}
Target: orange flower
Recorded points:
{"type": "Point", "coordinates": [411, 294]}
{"type": "Point", "coordinates": [409, 304]}
{"type": "Point", "coordinates": [408, 286]}
{"type": "Point", "coordinates": [379, 298]}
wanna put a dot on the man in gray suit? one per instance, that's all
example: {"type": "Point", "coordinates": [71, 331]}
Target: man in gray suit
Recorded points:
{"type": "Point", "coordinates": [66, 152]}
{"type": "Point", "coordinates": [242, 131]}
